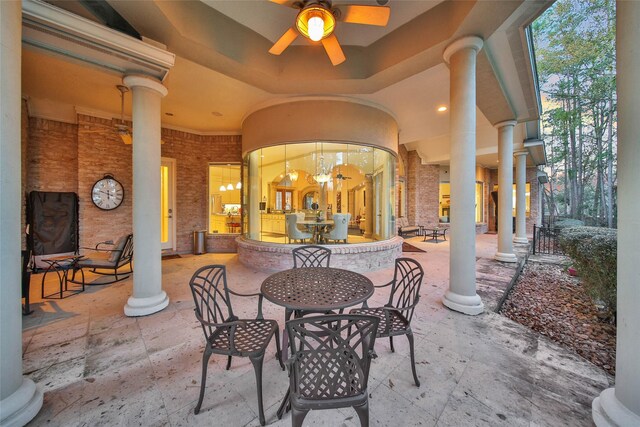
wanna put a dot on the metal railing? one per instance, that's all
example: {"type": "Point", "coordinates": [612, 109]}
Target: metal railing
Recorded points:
{"type": "Point", "coordinates": [546, 240]}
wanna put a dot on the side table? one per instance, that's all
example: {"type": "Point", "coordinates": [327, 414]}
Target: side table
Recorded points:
{"type": "Point", "coordinates": [62, 265]}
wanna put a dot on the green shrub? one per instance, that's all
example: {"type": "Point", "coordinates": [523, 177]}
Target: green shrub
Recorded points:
{"type": "Point", "coordinates": [594, 252]}
{"type": "Point", "coordinates": [568, 222]}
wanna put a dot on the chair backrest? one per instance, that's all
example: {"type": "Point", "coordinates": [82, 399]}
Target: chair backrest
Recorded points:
{"type": "Point", "coordinates": [407, 280]}
{"type": "Point", "coordinates": [311, 256]}
{"type": "Point", "coordinates": [341, 226]}
{"type": "Point", "coordinates": [402, 222]}
{"type": "Point", "coordinates": [122, 251]}
{"type": "Point", "coordinates": [331, 355]}
{"type": "Point", "coordinates": [211, 296]}
{"type": "Point", "coordinates": [300, 216]}
{"type": "Point", "coordinates": [292, 229]}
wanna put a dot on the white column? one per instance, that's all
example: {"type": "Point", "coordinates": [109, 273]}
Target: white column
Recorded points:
{"type": "Point", "coordinates": [462, 296]}
{"type": "Point", "coordinates": [620, 406]}
{"type": "Point", "coordinates": [521, 198]}
{"type": "Point", "coordinates": [505, 192]}
{"type": "Point", "coordinates": [20, 398]}
{"type": "Point", "coordinates": [148, 296]}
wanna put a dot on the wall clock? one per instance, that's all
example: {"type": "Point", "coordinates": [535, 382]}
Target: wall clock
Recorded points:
{"type": "Point", "coordinates": [107, 193]}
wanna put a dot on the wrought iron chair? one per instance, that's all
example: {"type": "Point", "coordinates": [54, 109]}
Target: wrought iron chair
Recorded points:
{"type": "Point", "coordinates": [311, 256]}
{"type": "Point", "coordinates": [109, 259]}
{"type": "Point", "coordinates": [395, 316]}
{"type": "Point", "coordinates": [224, 333]}
{"type": "Point", "coordinates": [329, 366]}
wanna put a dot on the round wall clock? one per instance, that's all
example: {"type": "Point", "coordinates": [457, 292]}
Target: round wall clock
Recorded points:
{"type": "Point", "coordinates": [107, 193]}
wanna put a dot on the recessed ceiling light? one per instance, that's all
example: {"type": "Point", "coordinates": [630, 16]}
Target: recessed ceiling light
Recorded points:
{"type": "Point", "coordinates": [442, 108]}
{"type": "Point", "coordinates": [217, 113]}
{"type": "Point", "coordinates": [169, 114]}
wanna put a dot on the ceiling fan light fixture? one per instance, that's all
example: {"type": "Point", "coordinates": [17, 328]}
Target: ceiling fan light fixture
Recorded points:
{"type": "Point", "coordinates": [315, 22]}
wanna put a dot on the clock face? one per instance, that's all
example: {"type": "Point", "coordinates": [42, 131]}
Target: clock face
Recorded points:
{"type": "Point", "coordinates": [107, 193]}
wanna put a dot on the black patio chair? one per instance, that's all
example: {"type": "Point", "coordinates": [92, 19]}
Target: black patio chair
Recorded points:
{"type": "Point", "coordinates": [108, 259]}
{"type": "Point", "coordinates": [311, 256]}
{"type": "Point", "coordinates": [395, 316]}
{"type": "Point", "coordinates": [329, 366]}
{"type": "Point", "coordinates": [224, 333]}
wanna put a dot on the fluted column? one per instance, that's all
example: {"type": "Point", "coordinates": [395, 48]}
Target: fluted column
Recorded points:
{"type": "Point", "coordinates": [461, 56]}
{"type": "Point", "coordinates": [620, 405]}
{"type": "Point", "coordinates": [521, 197]}
{"type": "Point", "coordinates": [369, 212]}
{"type": "Point", "coordinates": [20, 398]}
{"type": "Point", "coordinates": [148, 296]}
{"type": "Point", "coordinates": [505, 188]}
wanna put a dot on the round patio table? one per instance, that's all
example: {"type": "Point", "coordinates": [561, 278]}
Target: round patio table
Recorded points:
{"type": "Point", "coordinates": [316, 289]}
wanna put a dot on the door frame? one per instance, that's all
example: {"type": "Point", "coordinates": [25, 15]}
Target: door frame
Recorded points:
{"type": "Point", "coordinates": [171, 163]}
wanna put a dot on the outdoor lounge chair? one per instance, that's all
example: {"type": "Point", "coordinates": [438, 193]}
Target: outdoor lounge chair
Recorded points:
{"type": "Point", "coordinates": [329, 366]}
{"type": "Point", "coordinates": [224, 333]}
{"type": "Point", "coordinates": [109, 258]}
{"type": "Point", "coordinates": [395, 316]}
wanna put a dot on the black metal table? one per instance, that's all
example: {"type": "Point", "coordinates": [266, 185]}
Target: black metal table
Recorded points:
{"type": "Point", "coordinates": [316, 289]}
{"type": "Point", "coordinates": [433, 233]}
{"type": "Point", "coordinates": [62, 265]}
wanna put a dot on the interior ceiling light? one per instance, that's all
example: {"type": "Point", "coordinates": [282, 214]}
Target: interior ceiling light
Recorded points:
{"type": "Point", "coordinates": [442, 109]}
{"type": "Point", "coordinates": [230, 186]}
{"type": "Point", "coordinates": [239, 185]}
{"type": "Point", "coordinates": [293, 175]}
{"type": "Point", "coordinates": [317, 21]}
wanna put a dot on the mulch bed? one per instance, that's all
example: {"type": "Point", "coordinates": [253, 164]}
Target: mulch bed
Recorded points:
{"type": "Point", "coordinates": [549, 301]}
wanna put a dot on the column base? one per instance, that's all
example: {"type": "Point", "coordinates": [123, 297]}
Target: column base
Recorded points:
{"type": "Point", "coordinates": [607, 410]}
{"type": "Point", "coordinates": [22, 406]}
{"type": "Point", "coordinates": [502, 257]}
{"type": "Point", "coordinates": [144, 306]}
{"type": "Point", "coordinates": [520, 240]}
{"type": "Point", "coordinates": [471, 305]}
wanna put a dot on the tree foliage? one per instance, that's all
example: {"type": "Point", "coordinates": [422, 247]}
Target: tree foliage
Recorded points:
{"type": "Point", "coordinates": [575, 55]}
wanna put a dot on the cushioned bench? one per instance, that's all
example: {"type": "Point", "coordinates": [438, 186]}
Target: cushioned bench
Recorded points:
{"type": "Point", "coordinates": [404, 227]}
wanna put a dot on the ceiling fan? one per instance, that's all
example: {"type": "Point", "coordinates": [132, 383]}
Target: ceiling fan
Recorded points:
{"type": "Point", "coordinates": [317, 20]}
{"type": "Point", "coordinates": [340, 176]}
{"type": "Point", "coordinates": [121, 128]}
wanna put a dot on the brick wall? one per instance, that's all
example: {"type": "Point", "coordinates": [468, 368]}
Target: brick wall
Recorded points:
{"type": "Point", "coordinates": [422, 191]}
{"type": "Point", "coordinates": [193, 153]}
{"type": "Point", "coordinates": [68, 157]}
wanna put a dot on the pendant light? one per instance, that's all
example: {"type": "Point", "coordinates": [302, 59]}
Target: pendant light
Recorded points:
{"type": "Point", "coordinates": [222, 187]}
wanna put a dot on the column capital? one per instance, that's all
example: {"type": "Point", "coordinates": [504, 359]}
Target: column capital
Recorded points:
{"type": "Point", "coordinates": [139, 80]}
{"type": "Point", "coordinates": [469, 42]}
{"type": "Point", "coordinates": [505, 123]}
{"type": "Point", "coordinates": [521, 153]}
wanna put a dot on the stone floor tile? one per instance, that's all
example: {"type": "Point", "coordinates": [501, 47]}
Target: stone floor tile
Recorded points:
{"type": "Point", "coordinates": [389, 408]}
{"type": "Point", "coordinates": [44, 357]}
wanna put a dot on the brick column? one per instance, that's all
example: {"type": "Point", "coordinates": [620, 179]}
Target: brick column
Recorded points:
{"type": "Point", "coordinates": [505, 189]}
{"type": "Point", "coordinates": [148, 296]}
{"type": "Point", "coordinates": [462, 296]}
{"type": "Point", "coordinates": [20, 398]}
{"type": "Point", "coordinates": [620, 406]}
{"type": "Point", "coordinates": [521, 197]}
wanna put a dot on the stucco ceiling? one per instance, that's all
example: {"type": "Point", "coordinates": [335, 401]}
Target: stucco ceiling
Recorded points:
{"type": "Point", "coordinates": [223, 71]}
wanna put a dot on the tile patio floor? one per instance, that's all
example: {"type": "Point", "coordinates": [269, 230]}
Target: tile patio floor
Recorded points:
{"type": "Point", "coordinates": [99, 367]}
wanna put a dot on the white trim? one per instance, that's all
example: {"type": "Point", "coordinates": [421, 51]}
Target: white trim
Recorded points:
{"type": "Point", "coordinates": [468, 42]}
{"type": "Point", "coordinates": [57, 30]}
{"type": "Point", "coordinates": [98, 113]}
{"type": "Point", "coordinates": [201, 133]}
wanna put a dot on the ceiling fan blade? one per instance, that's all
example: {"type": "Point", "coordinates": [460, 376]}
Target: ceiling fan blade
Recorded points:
{"type": "Point", "coordinates": [333, 49]}
{"type": "Point", "coordinates": [283, 42]}
{"type": "Point", "coordinates": [369, 15]}
{"type": "Point", "coordinates": [283, 2]}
